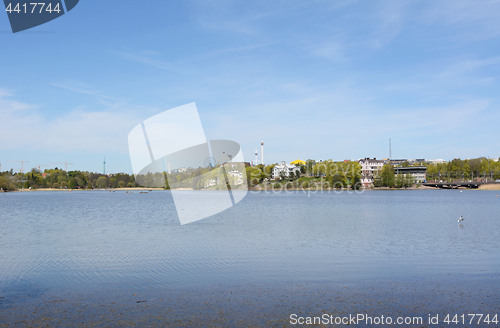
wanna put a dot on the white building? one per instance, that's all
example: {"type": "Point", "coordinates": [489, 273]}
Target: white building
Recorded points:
{"type": "Point", "coordinates": [237, 177]}
{"type": "Point", "coordinates": [436, 161]}
{"type": "Point", "coordinates": [369, 168]}
{"type": "Point", "coordinates": [284, 169]}
{"type": "Point", "coordinates": [211, 182]}
{"type": "Point", "coordinates": [415, 161]}
{"type": "Point", "coordinates": [418, 173]}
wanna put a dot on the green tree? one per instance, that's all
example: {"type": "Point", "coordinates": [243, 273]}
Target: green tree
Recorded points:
{"type": "Point", "coordinates": [268, 171]}
{"type": "Point", "coordinates": [466, 170]}
{"type": "Point", "coordinates": [62, 177]}
{"type": "Point", "coordinates": [309, 165]}
{"type": "Point", "coordinates": [101, 182]}
{"type": "Point", "coordinates": [121, 184]}
{"type": "Point", "coordinates": [387, 176]}
{"type": "Point", "coordinates": [335, 181]}
{"type": "Point", "coordinates": [72, 183]}
{"type": "Point", "coordinates": [356, 182]}
{"type": "Point", "coordinates": [254, 176]}
{"type": "Point", "coordinates": [6, 184]}
{"type": "Point", "coordinates": [432, 171]}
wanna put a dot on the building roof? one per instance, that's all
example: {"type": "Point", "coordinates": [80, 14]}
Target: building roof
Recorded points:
{"type": "Point", "coordinates": [410, 169]}
{"type": "Point", "coordinates": [298, 162]}
{"type": "Point", "coordinates": [282, 166]}
{"type": "Point", "coordinates": [371, 160]}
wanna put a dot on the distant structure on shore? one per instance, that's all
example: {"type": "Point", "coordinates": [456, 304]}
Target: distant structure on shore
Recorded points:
{"type": "Point", "coordinates": [22, 165]}
{"type": "Point", "coordinates": [298, 162]}
{"type": "Point", "coordinates": [65, 165]}
{"type": "Point", "coordinates": [284, 170]}
{"type": "Point", "coordinates": [104, 166]}
{"type": "Point", "coordinates": [262, 151]}
{"type": "Point", "coordinates": [370, 167]}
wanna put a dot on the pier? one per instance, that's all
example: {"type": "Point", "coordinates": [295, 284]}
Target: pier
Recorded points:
{"type": "Point", "coordinates": [454, 185]}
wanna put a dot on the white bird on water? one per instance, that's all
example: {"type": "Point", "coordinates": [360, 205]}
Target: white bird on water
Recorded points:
{"type": "Point", "coordinates": [460, 219]}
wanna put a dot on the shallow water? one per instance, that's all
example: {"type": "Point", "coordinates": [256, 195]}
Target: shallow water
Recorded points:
{"type": "Point", "coordinates": [56, 240]}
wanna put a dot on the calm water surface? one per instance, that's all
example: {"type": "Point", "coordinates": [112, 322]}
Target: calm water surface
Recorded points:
{"type": "Point", "coordinates": [90, 238]}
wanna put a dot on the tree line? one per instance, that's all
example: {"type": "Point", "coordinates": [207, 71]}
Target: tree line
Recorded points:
{"type": "Point", "coordinates": [58, 178]}
{"type": "Point", "coordinates": [476, 169]}
{"type": "Point", "coordinates": [323, 174]}
{"type": "Point", "coordinates": [314, 174]}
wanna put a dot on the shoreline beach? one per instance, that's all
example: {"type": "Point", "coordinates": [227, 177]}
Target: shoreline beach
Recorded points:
{"type": "Point", "coordinates": [492, 186]}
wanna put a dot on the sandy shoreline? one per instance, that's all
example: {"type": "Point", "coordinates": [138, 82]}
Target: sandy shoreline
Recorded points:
{"type": "Point", "coordinates": [493, 186]}
{"type": "Point", "coordinates": [95, 189]}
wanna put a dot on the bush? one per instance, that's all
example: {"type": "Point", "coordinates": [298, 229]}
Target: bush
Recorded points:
{"type": "Point", "coordinates": [5, 184]}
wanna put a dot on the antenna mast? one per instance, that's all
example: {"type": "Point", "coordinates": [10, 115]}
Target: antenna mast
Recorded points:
{"type": "Point", "coordinates": [262, 151]}
{"type": "Point", "coordinates": [390, 154]}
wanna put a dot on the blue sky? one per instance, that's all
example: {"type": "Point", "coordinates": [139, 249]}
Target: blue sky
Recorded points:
{"type": "Point", "coordinates": [313, 79]}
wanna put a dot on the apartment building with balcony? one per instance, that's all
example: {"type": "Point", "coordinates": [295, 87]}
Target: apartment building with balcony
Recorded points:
{"type": "Point", "coordinates": [369, 168]}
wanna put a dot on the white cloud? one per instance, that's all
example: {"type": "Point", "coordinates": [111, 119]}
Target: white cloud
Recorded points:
{"type": "Point", "coordinates": [78, 130]}
{"type": "Point", "coordinates": [6, 103]}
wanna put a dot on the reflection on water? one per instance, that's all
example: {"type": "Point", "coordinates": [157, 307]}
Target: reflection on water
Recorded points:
{"type": "Point", "coordinates": [58, 239]}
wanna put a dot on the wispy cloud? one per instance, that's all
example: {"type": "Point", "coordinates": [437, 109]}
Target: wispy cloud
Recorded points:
{"type": "Point", "coordinates": [469, 67]}
{"type": "Point", "coordinates": [391, 20]}
{"type": "Point", "coordinates": [229, 17]}
{"type": "Point", "coordinates": [148, 58]}
{"type": "Point", "coordinates": [468, 20]}
{"type": "Point", "coordinates": [77, 130]}
{"type": "Point", "coordinates": [4, 93]}
{"type": "Point", "coordinates": [77, 87]}
{"type": "Point", "coordinates": [243, 48]}
{"type": "Point", "coordinates": [8, 105]}
{"type": "Point", "coordinates": [329, 50]}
